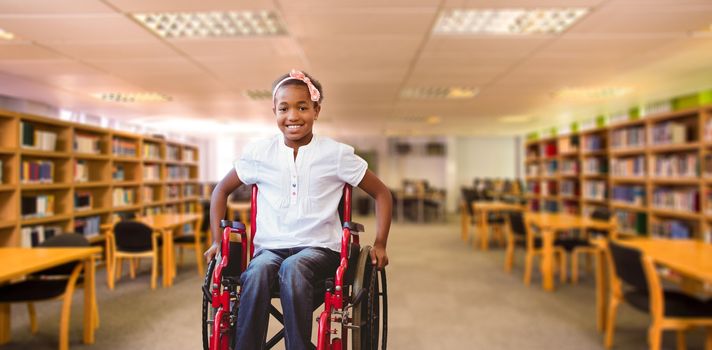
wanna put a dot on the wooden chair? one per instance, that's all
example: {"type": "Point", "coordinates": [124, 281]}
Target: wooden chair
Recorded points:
{"type": "Point", "coordinates": [193, 241]}
{"type": "Point", "coordinates": [519, 234]}
{"type": "Point", "coordinates": [53, 283]}
{"type": "Point", "coordinates": [132, 240]}
{"type": "Point", "coordinates": [582, 246]}
{"type": "Point", "coordinates": [634, 279]}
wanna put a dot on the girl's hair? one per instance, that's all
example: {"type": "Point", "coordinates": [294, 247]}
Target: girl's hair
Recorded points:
{"type": "Point", "coordinates": [298, 82]}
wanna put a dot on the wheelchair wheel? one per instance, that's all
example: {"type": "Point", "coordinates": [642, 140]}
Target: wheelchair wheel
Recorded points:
{"type": "Point", "coordinates": [371, 314]}
{"type": "Point", "coordinates": [208, 310]}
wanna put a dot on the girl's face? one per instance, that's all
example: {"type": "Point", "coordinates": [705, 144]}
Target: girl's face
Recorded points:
{"type": "Point", "coordinates": [296, 113]}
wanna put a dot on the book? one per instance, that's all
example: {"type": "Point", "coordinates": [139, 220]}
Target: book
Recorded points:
{"type": "Point", "coordinates": [27, 135]}
{"type": "Point", "coordinates": [117, 173]}
{"type": "Point", "coordinates": [81, 171]}
{"type": "Point", "coordinates": [88, 226]}
{"type": "Point", "coordinates": [86, 144]}
{"type": "Point", "coordinates": [37, 206]}
{"type": "Point", "coordinates": [37, 171]}
{"type": "Point", "coordinates": [124, 196]}
{"type": "Point", "coordinates": [32, 236]}
{"type": "Point", "coordinates": [82, 200]}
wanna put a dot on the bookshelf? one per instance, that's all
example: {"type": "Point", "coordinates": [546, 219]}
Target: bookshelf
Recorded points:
{"type": "Point", "coordinates": [653, 172]}
{"type": "Point", "coordinates": [58, 176]}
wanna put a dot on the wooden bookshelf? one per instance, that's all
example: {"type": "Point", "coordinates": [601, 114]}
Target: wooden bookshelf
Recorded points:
{"type": "Point", "coordinates": [645, 166]}
{"type": "Point", "coordinates": [76, 164]}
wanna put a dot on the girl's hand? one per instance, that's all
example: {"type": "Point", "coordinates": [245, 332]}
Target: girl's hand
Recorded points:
{"type": "Point", "coordinates": [211, 252]}
{"type": "Point", "coordinates": [379, 256]}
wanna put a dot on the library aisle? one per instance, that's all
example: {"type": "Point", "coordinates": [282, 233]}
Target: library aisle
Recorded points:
{"type": "Point", "coordinates": [442, 295]}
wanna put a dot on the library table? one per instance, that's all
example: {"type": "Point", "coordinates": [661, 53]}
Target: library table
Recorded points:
{"type": "Point", "coordinates": [167, 224]}
{"type": "Point", "coordinates": [550, 225]}
{"type": "Point", "coordinates": [691, 259]}
{"type": "Point", "coordinates": [23, 261]}
{"type": "Point", "coordinates": [484, 208]}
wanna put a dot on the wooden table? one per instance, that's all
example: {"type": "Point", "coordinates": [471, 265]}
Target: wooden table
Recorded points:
{"type": "Point", "coordinates": [691, 259]}
{"type": "Point", "coordinates": [167, 224]}
{"type": "Point", "coordinates": [484, 208]}
{"type": "Point", "coordinates": [551, 225]}
{"type": "Point", "coordinates": [19, 262]}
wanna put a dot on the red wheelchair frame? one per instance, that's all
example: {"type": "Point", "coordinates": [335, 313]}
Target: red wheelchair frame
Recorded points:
{"type": "Point", "coordinates": [225, 296]}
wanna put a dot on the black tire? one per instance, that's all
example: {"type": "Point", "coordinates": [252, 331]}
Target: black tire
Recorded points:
{"type": "Point", "coordinates": [371, 314]}
{"type": "Point", "coordinates": [208, 311]}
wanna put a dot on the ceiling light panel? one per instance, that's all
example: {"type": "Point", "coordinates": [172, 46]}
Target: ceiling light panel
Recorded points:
{"type": "Point", "coordinates": [439, 93]}
{"type": "Point", "coordinates": [132, 97]}
{"type": "Point", "coordinates": [258, 95]}
{"type": "Point", "coordinates": [5, 35]}
{"type": "Point", "coordinates": [212, 24]}
{"type": "Point", "coordinates": [595, 93]}
{"type": "Point", "coordinates": [507, 21]}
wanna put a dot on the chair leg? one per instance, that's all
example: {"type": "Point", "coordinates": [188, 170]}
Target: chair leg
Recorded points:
{"type": "Point", "coordinates": [33, 317]}
{"type": "Point", "coordinates": [528, 269]}
{"type": "Point", "coordinates": [610, 323]}
{"type": "Point", "coordinates": [681, 341]}
{"type": "Point", "coordinates": [96, 313]}
{"type": "Point", "coordinates": [154, 269]}
{"type": "Point", "coordinates": [138, 264]}
{"type": "Point", "coordinates": [509, 258]}
{"type": "Point", "coordinates": [563, 274]}
{"type": "Point", "coordinates": [574, 266]}
{"type": "Point", "coordinates": [655, 334]}
{"type": "Point", "coordinates": [132, 268]}
{"type": "Point", "coordinates": [64, 321]}
{"type": "Point", "coordinates": [119, 266]}
{"type": "Point", "coordinates": [111, 274]}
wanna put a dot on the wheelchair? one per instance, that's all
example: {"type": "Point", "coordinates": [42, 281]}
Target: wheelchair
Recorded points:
{"type": "Point", "coordinates": [355, 299]}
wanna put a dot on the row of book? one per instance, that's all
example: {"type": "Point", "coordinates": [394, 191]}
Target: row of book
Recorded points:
{"type": "Point", "coordinates": [151, 151]}
{"type": "Point", "coordinates": [173, 191]}
{"type": "Point", "coordinates": [569, 144]}
{"type": "Point", "coordinates": [189, 155]}
{"type": "Point", "coordinates": [569, 188]}
{"type": "Point", "coordinates": [122, 147]}
{"type": "Point", "coordinates": [172, 153]}
{"type": "Point", "coordinates": [707, 136]}
{"type": "Point", "coordinates": [88, 226]}
{"type": "Point", "coordinates": [631, 166]}
{"type": "Point", "coordinates": [37, 171]}
{"type": "Point", "coordinates": [532, 169]}
{"type": "Point", "coordinates": [634, 195]}
{"type": "Point", "coordinates": [31, 138]}
{"type": "Point", "coordinates": [594, 143]}
{"type": "Point", "coordinates": [37, 206]}
{"type": "Point", "coordinates": [550, 167]}
{"type": "Point", "coordinates": [676, 165]}
{"type": "Point", "coordinates": [709, 201]}
{"type": "Point", "coordinates": [707, 165]}
{"type": "Point", "coordinates": [631, 137]}
{"type": "Point", "coordinates": [32, 236]}
{"type": "Point", "coordinates": [83, 200]}
{"type": "Point", "coordinates": [551, 206]}
{"type": "Point", "coordinates": [532, 153]}
{"type": "Point", "coordinates": [81, 170]}
{"type": "Point", "coordinates": [533, 187]}
{"type": "Point", "coordinates": [669, 133]}
{"type": "Point", "coordinates": [673, 229]}
{"type": "Point", "coordinates": [681, 199]}
{"type": "Point", "coordinates": [149, 194]}
{"type": "Point", "coordinates": [190, 190]}
{"type": "Point", "coordinates": [594, 190]}
{"type": "Point", "coordinates": [177, 172]}
{"type": "Point", "coordinates": [123, 197]}
{"type": "Point", "coordinates": [570, 208]}
{"type": "Point", "coordinates": [86, 144]}
{"type": "Point", "coordinates": [151, 172]}
{"type": "Point", "coordinates": [118, 173]}
{"type": "Point", "coordinates": [548, 150]}
{"type": "Point", "coordinates": [152, 210]}
{"type": "Point", "coordinates": [595, 166]}
{"type": "Point", "coordinates": [632, 222]}
{"type": "Point", "coordinates": [570, 167]}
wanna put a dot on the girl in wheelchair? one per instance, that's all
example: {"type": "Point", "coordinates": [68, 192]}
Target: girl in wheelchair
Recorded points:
{"type": "Point", "coordinates": [300, 177]}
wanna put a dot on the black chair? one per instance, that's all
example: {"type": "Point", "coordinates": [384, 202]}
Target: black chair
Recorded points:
{"type": "Point", "coordinates": [53, 283]}
{"type": "Point", "coordinates": [192, 240]}
{"type": "Point", "coordinates": [578, 246]}
{"type": "Point", "coordinates": [519, 234]}
{"type": "Point", "coordinates": [132, 240]}
{"type": "Point", "coordinates": [634, 279]}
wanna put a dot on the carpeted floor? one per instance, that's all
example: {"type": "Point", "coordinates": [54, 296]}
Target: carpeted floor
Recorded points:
{"type": "Point", "coordinates": [442, 295]}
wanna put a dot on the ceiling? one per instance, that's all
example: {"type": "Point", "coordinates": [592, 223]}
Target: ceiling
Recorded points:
{"type": "Point", "coordinates": [364, 53]}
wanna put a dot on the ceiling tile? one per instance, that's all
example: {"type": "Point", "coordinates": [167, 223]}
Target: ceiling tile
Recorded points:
{"type": "Point", "coordinates": [25, 51]}
{"type": "Point", "coordinates": [26, 7]}
{"type": "Point", "coordinates": [147, 67]}
{"type": "Point", "coordinates": [113, 49]}
{"type": "Point", "coordinates": [190, 5]}
{"type": "Point", "coordinates": [646, 17]}
{"type": "Point", "coordinates": [320, 23]}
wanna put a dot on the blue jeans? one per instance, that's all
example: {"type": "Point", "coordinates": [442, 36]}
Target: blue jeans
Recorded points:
{"type": "Point", "coordinates": [297, 270]}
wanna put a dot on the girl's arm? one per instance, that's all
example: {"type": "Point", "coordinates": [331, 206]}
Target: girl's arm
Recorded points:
{"type": "Point", "coordinates": [384, 203]}
{"type": "Point", "coordinates": [218, 202]}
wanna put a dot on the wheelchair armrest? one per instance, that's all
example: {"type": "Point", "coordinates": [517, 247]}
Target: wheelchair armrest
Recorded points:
{"type": "Point", "coordinates": [235, 225]}
{"type": "Point", "coordinates": [353, 226]}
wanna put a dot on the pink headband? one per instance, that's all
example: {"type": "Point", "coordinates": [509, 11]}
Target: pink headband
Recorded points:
{"type": "Point", "coordinates": [298, 75]}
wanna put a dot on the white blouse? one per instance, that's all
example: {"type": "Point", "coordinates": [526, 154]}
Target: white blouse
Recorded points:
{"type": "Point", "coordinates": [298, 199]}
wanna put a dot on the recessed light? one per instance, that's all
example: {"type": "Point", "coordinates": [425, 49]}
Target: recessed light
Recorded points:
{"type": "Point", "coordinates": [5, 35]}
{"type": "Point", "coordinates": [132, 97]}
{"type": "Point", "coordinates": [513, 119]}
{"type": "Point", "coordinates": [258, 95]}
{"type": "Point", "coordinates": [594, 93]}
{"type": "Point", "coordinates": [212, 24]}
{"type": "Point", "coordinates": [507, 21]}
{"type": "Point", "coordinates": [439, 93]}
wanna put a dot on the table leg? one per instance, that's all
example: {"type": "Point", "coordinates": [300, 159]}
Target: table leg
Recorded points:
{"type": "Point", "coordinates": [708, 340]}
{"type": "Point", "coordinates": [547, 260]}
{"type": "Point", "coordinates": [477, 229]}
{"type": "Point", "coordinates": [601, 288]}
{"type": "Point", "coordinates": [166, 258]}
{"type": "Point", "coordinates": [484, 237]}
{"type": "Point", "coordinates": [421, 209]}
{"type": "Point", "coordinates": [4, 323]}
{"type": "Point", "coordinates": [89, 298]}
